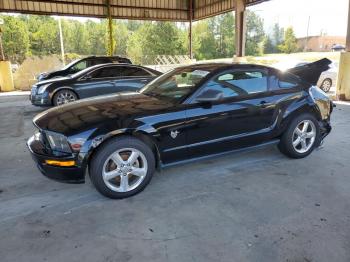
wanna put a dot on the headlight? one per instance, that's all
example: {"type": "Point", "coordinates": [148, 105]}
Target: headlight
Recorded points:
{"type": "Point", "coordinates": [42, 89]}
{"type": "Point", "coordinates": [58, 142]}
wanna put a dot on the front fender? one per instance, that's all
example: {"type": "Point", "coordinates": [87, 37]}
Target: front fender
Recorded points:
{"type": "Point", "coordinates": [147, 134]}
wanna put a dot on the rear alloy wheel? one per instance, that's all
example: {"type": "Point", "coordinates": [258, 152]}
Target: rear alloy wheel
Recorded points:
{"type": "Point", "coordinates": [326, 85]}
{"type": "Point", "coordinates": [122, 168]}
{"type": "Point", "coordinates": [64, 97]}
{"type": "Point", "coordinates": [304, 136]}
{"type": "Point", "coordinates": [301, 137]}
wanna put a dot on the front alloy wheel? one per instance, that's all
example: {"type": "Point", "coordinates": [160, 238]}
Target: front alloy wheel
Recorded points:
{"type": "Point", "coordinates": [64, 97]}
{"type": "Point", "coordinates": [122, 167]}
{"type": "Point", "coordinates": [124, 170]}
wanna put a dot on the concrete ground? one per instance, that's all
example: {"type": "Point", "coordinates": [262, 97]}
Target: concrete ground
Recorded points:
{"type": "Point", "coordinates": [253, 206]}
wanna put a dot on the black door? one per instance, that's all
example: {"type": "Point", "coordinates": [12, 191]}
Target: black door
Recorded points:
{"type": "Point", "coordinates": [232, 110]}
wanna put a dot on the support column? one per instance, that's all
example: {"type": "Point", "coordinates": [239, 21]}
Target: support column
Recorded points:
{"type": "Point", "coordinates": [110, 28]}
{"type": "Point", "coordinates": [6, 79]}
{"type": "Point", "coordinates": [2, 56]}
{"type": "Point", "coordinates": [343, 82]}
{"type": "Point", "coordinates": [240, 28]}
{"type": "Point", "coordinates": [61, 41]}
{"type": "Point", "coordinates": [190, 30]}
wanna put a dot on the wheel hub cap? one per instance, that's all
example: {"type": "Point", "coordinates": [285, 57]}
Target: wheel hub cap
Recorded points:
{"type": "Point", "coordinates": [304, 136]}
{"type": "Point", "coordinates": [124, 170]}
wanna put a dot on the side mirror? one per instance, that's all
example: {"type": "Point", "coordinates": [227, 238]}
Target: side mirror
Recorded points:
{"type": "Point", "coordinates": [210, 95]}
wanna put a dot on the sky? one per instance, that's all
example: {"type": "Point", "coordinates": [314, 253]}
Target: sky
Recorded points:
{"type": "Point", "coordinates": [327, 16]}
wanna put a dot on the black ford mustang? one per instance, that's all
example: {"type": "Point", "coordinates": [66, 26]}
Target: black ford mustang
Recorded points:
{"type": "Point", "coordinates": [189, 113]}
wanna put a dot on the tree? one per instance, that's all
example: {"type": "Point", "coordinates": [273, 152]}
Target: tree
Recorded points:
{"type": "Point", "coordinates": [204, 42]}
{"type": "Point", "coordinates": [255, 33]}
{"type": "Point", "coordinates": [76, 37]}
{"type": "Point", "coordinates": [289, 44]}
{"type": "Point", "coordinates": [155, 38]}
{"type": "Point", "coordinates": [226, 35]}
{"type": "Point", "coordinates": [136, 43]}
{"type": "Point", "coordinates": [163, 38]}
{"type": "Point", "coordinates": [43, 34]}
{"type": "Point", "coordinates": [96, 37]}
{"type": "Point", "coordinates": [277, 37]}
{"type": "Point", "coordinates": [15, 39]}
{"type": "Point", "coordinates": [268, 46]}
{"type": "Point", "coordinates": [121, 34]}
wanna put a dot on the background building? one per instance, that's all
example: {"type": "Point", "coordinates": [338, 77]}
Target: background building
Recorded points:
{"type": "Point", "coordinates": [320, 43]}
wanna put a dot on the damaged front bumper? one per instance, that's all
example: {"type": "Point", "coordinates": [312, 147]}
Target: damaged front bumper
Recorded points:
{"type": "Point", "coordinates": [325, 129]}
{"type": "Point", "coordinates": [41, 155]}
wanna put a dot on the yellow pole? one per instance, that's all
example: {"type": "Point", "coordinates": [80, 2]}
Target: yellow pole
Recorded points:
{"type": "Point", "coordinates": [343, 82]}
{"type": "Point", "coordinates": [2, 56]}
{"type": "Point", "coordinates": [61, 41]}
{"type": "Point", "coordinates": [110, 28]}
{"type": "Point", "coordinates": [190, 29]}
{"type": "Point", "coordinates": [6, 79]}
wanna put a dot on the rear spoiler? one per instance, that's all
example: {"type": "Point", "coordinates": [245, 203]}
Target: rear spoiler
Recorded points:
{"type": "Point", "coordinates": [311, 72]}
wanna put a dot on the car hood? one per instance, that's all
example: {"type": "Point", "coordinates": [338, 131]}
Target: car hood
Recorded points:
{"type": "Point", "coordinates": [110, 112]}
{"type": "Point", "coordinates": [54, 80]}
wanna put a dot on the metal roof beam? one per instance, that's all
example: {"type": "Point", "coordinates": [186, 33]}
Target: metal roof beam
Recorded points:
{"type": "Point", "coordinates": [170, 10]}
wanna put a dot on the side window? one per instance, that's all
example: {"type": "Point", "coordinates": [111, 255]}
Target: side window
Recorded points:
{"type": "Point", "coordinates": [134, 71]}
{"type": "Point", "coordinates": [106, 72]}
{"type": "Point", "coordinates": [79, 66]}
{"type": "Point", "coordinates": [287, 81]}
{"type": "Point", "coordinates": [238, 83]}
{"type": "Point", "coordinates": [98, 61]}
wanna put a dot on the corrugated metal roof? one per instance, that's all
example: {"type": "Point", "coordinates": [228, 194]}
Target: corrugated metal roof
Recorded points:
{"type": "Point", "coordinates": [173, 10]}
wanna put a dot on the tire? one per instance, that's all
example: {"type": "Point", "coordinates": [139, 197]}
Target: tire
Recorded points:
{"type": "Point", "coordinates": [107, 172]}
{"type": "Point", "coordinates": [326, 85]}
{"type": "Point", "coordinates": [64, 96]}
{"type": "Point", "coordinates": [288, 144]}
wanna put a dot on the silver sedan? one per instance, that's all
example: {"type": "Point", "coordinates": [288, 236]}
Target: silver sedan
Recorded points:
{"type": "Point", "coordinates": [328, 78]}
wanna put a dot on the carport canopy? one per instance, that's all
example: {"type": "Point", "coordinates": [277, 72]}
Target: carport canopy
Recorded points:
{"type": "Point", "coordinates": [155, 10]}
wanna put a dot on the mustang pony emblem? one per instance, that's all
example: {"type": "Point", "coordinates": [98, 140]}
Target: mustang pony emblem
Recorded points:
{"type": "Point", "coordinates": [174, 134]}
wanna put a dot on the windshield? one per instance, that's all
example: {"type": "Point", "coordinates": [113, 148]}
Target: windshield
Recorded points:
{"type": "Point", "coordinates": [84, 71]}
{"type": "Point", "coordinates": [176, 84]}
{"type": "Point", "coordinates": [70, 64]}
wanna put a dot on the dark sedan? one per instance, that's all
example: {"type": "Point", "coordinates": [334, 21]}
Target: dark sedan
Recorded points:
{"type": "Point", "coordinates": [81, 64]}
{"type": "Point", "coordinates": [190, 113]}
{"type": "Point", "coordinates": [93, 81]}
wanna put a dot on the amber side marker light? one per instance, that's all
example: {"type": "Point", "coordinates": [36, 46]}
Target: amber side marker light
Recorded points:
{"type": "Point", "coordinates": [60, 163]}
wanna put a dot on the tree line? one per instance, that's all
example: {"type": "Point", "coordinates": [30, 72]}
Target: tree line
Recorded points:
{"type": "Point", "coordinates": [31, 35]}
